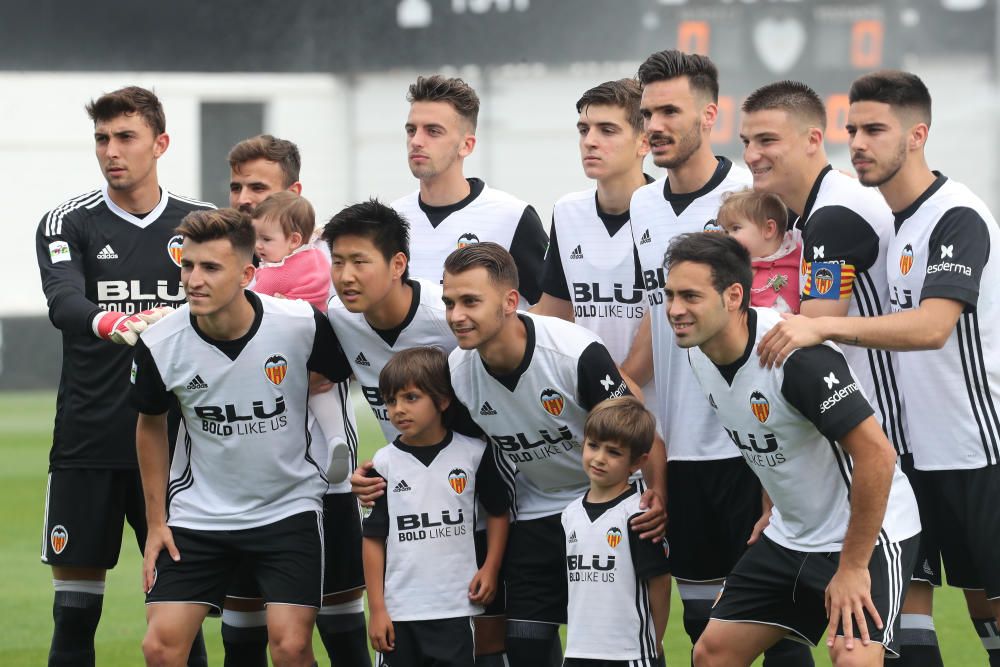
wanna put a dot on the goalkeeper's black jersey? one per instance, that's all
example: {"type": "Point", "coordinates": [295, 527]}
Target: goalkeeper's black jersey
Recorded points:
{"type": "Point", "coordinates": [94, 256]}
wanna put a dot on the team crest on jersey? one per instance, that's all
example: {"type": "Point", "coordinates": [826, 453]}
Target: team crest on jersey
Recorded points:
{"type": "Point", "coordinates": [175, 246]}
{"type": "Point", "coordinates": [713, 226]}
{"type": "Point", "coordinates": [59, 538]}
{"type": "Point", "coordinates": [759, 406]}
{"type": "Point", "coordinates": [614, 537]}
{"type": "Point", "coordinates": [906, 259]}
{"type": "Point", "coordinates": [275, 368]}
{"type": "Point", "coordinates": [458, 479]}
{"type": "Point", "coordinates": [823, 280]}
{"type": "Point", "coordinates": [552, 401]}
{"type": "Point", "coordinates": [467, 239]}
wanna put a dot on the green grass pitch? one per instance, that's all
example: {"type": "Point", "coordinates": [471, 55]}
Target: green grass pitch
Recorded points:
{"type": "Point", "coordinates": [25, 432]}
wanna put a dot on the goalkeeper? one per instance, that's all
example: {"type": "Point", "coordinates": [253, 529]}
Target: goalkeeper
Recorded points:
{"type": "Point", "coordinates": [110, 265]}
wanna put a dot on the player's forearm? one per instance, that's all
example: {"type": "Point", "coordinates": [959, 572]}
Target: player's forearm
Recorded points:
{"type": "Point", "coordinates": [373, 560]}
{"type": "Point", "coordinates": [655, 471]}
{"type": "Point", "coordinates": [153, 452]}
{"type": "Point", "coordinates": [871, 479]}
{"type": "Point", "coordinates": [497, 530]}
{"type": "Point", "coordinates": [638, 365]}
{"type": "Point", "coordinates": [659, 604]}
{"type": "Point", "coordinates": [918, 329]}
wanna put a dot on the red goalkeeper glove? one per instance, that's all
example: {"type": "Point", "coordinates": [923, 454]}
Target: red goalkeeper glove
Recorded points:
{"type": "Point", "coordinates": [125, 329]}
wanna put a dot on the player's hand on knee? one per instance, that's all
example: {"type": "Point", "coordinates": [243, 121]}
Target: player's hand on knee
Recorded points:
{"type": "Point", "coordinates": [366, 487]}
{"type": "Point", "coordinates": [848, 596]}
{"type": "Point", "coordinates": [157, 539]}
{"type": "Point", "coordinates": [651, 524]}
{"type": "Point", "coordinates": [125, 329]}
{"type": "Point", "coordinates": [483, 587]}
{"type": "Point", "coordinates": [381, 632]}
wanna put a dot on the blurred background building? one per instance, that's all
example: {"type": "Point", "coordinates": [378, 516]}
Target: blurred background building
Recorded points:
{"type": "Point", "coordinates": [331, 75]}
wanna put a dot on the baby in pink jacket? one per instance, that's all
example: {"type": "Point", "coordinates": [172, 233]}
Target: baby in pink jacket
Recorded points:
{"type": "Point", "coordinates": [292, 268]}
{"type": "Point", "coordinates": [759, 221]}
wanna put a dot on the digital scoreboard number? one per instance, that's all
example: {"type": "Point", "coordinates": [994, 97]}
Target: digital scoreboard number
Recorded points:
{"type": "Point", "coordinates": [823, 44]}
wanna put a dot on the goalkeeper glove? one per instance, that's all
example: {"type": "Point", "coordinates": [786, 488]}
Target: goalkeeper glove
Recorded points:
{"type": "Point", "coordinates": [125, 329]}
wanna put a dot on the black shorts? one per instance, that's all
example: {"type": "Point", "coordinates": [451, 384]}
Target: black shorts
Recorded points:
{"type": "Point", "coordinates": [446, 642]}
{"type": "Point", "coordinates": [342, 542]}
{"type": "Point", "coordinates": [499, 605]}
{"type": "Point", "coordinates": [712, 507]}
{"type": "Point", "coordinates": [959, 509]}
{"type": "Point", "coordinates": [658, 661]}
{"type": "Point", "coordinates": [778, 586]}
{"type": "Point", "coordinates": [536, 571]}
{"type": "Point", "coordinates": [85, 512]}
{"type": "Point", "coordinates": [928, 567]}
{"type": "Point", "coordinates": [286, 559]}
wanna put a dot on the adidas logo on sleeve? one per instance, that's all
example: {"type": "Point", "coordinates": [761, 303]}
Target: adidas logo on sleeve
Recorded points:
{"type": "Point", "coordinates": [196, 384]}
{"type": "Point", "coordinates": [107, 252]}
{"type": "Point", "coordinates": [487, 409]}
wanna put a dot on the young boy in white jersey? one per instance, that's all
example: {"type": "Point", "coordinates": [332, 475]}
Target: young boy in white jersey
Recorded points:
{"type": "Point", "coordinates": [419, 555]}
{"type": "Point", "coordinates": [608, 566]}
{"type": "Point", "coordinates": [759, 221]}
{"type": "Point", "coordinates": [243, 487]}
{"type": "Point", "coordinates": [291, 268]}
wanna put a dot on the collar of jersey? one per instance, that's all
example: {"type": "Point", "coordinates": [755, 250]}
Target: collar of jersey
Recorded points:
{"type": "Point", "coordinates": [141, 223]}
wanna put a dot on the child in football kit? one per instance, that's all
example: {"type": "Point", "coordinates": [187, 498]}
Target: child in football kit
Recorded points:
{"type": "Point", "coordinates": [292, 268]}
{"type": "Point", "coordinates": [759, 221]}
{"type": "Point", "coordinates": [609, 568]}
{"type": "Point", "coordinates": [422, 574]}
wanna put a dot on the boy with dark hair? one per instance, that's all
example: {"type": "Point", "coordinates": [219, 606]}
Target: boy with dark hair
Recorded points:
{"type": "Point", "coordinates": [109, 265]}
{"type": "Point", "coordinates": [609, 566]}
{"type": "Point", "coordinates": [449, 211]}
{"type": "Point", "coordinates": [243, 486]}
{"type": "Point", "coordinates": [945, 312]}
{"type": "Point", "coordinates": [529, 381]}
{"type": "Point", "coordinates": [843, 531]}
{"type": "Point", "coordinates": [421, 570]}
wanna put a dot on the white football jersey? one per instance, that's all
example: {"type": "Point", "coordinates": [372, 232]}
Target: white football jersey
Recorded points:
{"type": "Point", "coordinates": [430, 551]}
{"type": "Point", "coordinates": [603, 577]}
{"type": "Point", "coordinates": [369, 350]}
{"type": "Point", "coordinates": [245, 458]}
{"type": "Point", "coordinates": [945, 247]}
{"type": "Point", "coordinates": [846, 229]}
{"type": "Point", "coordinates": [785, 422]}
{"type": "Point", "coordinates": [689, 428]}
{"type": "Point", "coordinates": [535, 416]}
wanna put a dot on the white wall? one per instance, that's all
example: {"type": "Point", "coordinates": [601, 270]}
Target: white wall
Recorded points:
{"type": "Point", "coordinates": [352, 141]}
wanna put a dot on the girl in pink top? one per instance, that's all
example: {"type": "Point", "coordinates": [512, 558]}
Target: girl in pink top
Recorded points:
{"type": "Point", "coordinates": [759, 221]}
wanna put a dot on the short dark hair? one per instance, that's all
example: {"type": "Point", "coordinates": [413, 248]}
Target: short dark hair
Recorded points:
{"type": "Point", "coordinates": [754, 205]}
{"type": "Point", "coordinates": [425, 368]}
{"type": "Point", "coordinates": [727, 259]}
{"type": "Point", "coordinates": [291, 211]}
{"type": "Point", "coordinates": [382, 225]}
{"type": "Point", "coordinates": [272, 149]}
{"type": "Point", "coordinates": [225, 223]}
{"type": "Point", "coordinates": [454, 91]}
{"type": "Point", "coordinates": [903, 90]}
{"type": "Point", "coordinates": [793, 97]}
{"type": "Point", "coordinates": [491, 256]}
{"type": "Point", "coordinates": [127, 101]}
{"type": "Point", "coordinates": [701, 72]}
{"type": "Point", "coordinates": [625, 422]}
{"type": "Point", "coordinates": [623, 93]}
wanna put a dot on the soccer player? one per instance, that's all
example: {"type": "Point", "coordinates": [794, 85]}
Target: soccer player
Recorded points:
{"type": "Point", "coordinates": [713, 500]}
{"type": "Point", "coordinates": [843, 532]}
{"type": "Point", "coordinates": [529, 381]}
{"type": "Point", "coordinates": [450, 211]}
{"type": "Point", "coordinates": [619, 584]}
{"type": "Point", "coordinates": [846, 229]}
{"type": "Point", "coordinates": [105, 257]}
{"type": "Point", "coordinates": [945, 316]}
{"type": "Point", "coordinates": [244, 486]}
{"type": "Point", "coordinates": [423, 579]}
{"type": "Point", "coordinates": [261, 166]}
